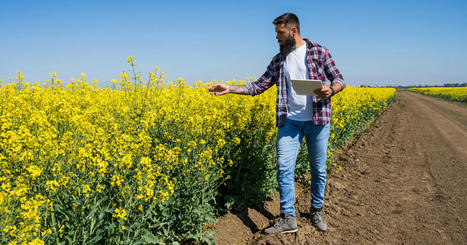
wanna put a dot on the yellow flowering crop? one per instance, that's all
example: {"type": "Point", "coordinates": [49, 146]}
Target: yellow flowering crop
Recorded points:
{"type": "Point", "coordinates": [149, 155]}
{"type": "Point", "coordinates": [449, 93]}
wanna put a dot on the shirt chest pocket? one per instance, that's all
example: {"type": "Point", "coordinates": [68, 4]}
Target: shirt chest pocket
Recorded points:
{"type": "Point", "coordinates": [316, 68]}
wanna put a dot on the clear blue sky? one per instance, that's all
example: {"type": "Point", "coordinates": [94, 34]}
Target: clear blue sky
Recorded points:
{"type": "Point", "coordinates": [372, 42]}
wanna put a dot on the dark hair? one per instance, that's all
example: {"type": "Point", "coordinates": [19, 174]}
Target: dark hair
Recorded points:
{"type": "Point", "coordinates": [288, 19]}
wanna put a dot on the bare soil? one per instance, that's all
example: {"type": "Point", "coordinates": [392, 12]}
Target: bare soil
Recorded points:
{"type": "Point", "coordinates": [403, 182]}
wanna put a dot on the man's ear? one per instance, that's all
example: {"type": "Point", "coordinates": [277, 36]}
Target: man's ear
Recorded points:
{"type": "Point", "coordinates": [294, 30]}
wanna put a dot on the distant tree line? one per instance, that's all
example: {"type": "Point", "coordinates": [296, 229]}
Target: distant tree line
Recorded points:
{"type": "Point", "coordinates": [444, 85]}
{"type": "Point", "coordinates": [419, 85]}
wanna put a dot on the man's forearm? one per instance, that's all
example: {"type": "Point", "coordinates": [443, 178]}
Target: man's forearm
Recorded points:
{"type": "Point", "coordinates": [238, 89]}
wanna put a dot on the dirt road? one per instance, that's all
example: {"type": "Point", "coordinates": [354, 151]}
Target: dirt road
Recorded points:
{"type": "Point", "coordinates": [403, 182]}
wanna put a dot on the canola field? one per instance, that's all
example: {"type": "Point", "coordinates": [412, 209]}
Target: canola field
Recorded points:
{"type": "Point", "coordinates": [449, 93]}
{"type": "Point", "coordinates": [143, 161]}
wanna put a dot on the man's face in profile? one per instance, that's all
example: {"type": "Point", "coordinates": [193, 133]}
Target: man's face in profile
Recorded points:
{"type": "Point", "coordinates": [285, 38]}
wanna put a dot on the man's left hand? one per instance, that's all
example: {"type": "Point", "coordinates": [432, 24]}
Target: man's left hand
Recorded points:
{"type": "Point", "coordinates": [324, 92]}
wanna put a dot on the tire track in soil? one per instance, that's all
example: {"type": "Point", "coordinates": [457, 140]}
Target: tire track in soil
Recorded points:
{"type": "Point", "coordinates": [402, 182]}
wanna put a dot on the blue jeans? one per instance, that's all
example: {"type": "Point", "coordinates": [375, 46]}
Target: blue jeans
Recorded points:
{"type": "Point", "coordinates": [289, 138]}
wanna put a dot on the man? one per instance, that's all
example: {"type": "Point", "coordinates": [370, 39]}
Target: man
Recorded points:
{"type": "Point", "coordinates": [297, 115]}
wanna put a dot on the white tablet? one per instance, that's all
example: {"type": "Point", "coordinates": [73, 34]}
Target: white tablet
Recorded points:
{"type": "Point", "coordinates": [306, 87]}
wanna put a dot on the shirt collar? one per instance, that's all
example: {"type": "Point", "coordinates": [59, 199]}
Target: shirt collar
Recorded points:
{"type": "Point", "coordinates": [309, 44]}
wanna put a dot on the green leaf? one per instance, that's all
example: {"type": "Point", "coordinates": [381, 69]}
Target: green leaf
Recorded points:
{"type": "Point", "coordinates": [148, 237]}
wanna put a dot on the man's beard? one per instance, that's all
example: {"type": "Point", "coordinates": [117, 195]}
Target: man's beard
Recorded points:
{"type": "Point", "coordinates": [288, 45]}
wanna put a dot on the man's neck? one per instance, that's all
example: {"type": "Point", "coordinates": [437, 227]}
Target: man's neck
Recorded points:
{"type": "Point", "coordinates": [299, 42]}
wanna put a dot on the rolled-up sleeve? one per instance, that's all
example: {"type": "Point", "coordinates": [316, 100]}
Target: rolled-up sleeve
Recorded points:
{"type": "Point", "coordinates": [332, 73]}
{"type": "Point", "coordinates": [264, 82]}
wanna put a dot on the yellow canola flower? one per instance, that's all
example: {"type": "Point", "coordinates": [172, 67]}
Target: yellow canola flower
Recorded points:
{"type": "Point", "coordinates": [120, 214]}
{"type": "Point", "coordinates": [116, 180]}
{"type": "Point", "coordinates": [220, 143]}
{"type": "Point", "coordinates": [86, 190]}
{"type": "Point", "coordinates": [52, 185]}
{"type": "Point", "coordinates": [34, 171]}
{"type": "Point", "coordinates": [99, 188]}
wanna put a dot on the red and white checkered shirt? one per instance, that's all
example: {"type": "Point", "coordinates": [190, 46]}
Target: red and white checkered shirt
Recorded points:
{"type": "Point", "coordinates": [320, 66]}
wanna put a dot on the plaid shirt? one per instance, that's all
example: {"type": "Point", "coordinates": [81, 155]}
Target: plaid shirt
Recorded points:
{"type": "Point", "coordinates": [320, 66]}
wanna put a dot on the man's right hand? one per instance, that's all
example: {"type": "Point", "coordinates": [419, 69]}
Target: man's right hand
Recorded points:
{"type": "Point", "coordinates": [219, 89]}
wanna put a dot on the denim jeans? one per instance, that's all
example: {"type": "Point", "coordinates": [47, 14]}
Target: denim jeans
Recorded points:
{"type": "Point", "coordinates": [289, 138]}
